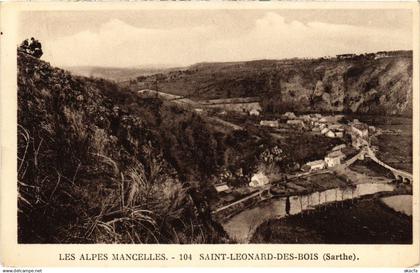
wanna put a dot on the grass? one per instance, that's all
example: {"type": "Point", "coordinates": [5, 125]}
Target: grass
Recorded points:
{"type": "Point", "coordinates": [364, 221]}
{"type": "Point", "coordinates": [370, 168]}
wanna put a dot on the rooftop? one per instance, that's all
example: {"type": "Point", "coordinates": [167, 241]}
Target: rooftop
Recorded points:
{"type": "Point", "coordinates": [337, 153]}
{"type": "Point", "coordinates": [316, 162]}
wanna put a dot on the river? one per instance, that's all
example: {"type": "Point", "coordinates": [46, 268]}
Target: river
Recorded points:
{"type": "Point", "coordinates": [241, 226]}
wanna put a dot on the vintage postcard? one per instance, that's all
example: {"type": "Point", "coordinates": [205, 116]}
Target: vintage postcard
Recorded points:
{"type": "Point", "coordinates": [210, 134]}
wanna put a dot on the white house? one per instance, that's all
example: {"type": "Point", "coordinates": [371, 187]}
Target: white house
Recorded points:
{"type": "Point", "coordinates": [324, 131]}
{"type": "Point", "coordinates": [334, 158]}
{"type": "Point", "coordinates": [258, 180]}
{"type": "Point", "coordinates": [314, 165]}
{"type": "Point", "coordinates": [270, 123]}
{"type": "Point", "coordinates": [339, 134]}
{"type": "Point", "coordinates": [290, 115]}
{"type": "Point", "coordinates": [221, 187]}
{"type": "Point", "coordinates": [330, 134]}
{"type": "Point", "coordinates": [296, 122]}
{"type": "Point", "coordinates": [360, 129]}
{"type": "Point", "coordinates": [254, 112]}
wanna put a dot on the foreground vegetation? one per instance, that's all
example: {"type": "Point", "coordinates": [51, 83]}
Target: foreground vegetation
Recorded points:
{"type": "Point", "coordinates": [97, 164]}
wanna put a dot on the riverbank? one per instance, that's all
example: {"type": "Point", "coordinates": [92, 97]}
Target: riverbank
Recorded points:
{"type": "Point", "coordinates": [395, 143]}
{"type": "Point", "coordinates": [357, 221]}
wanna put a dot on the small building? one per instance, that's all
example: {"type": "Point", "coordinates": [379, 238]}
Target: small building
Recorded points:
{"type": "Point", "coordinates": [314, 165]}
{"type": "Point", "coordinates": [334, 126]}
{"type": "Point", "coordinates": [296, 122]}
{"type": "Point", "coordinates": [339, 147]}
{"type": "Point", "coordinates": [345, 56]}
{"type": "Point", "coordinates": [199, 110]}
{"type": "Point", "coordinates": [333, 159]}
{"type": "Point", "coordinates": [360, 129]}
{"type": "Point", "coordinates": [254, 112]}
{"type": "Point", "coordinates": [330, 134]}
{"type": "Point", "coordinates": [290, 115]}
{"type": "Point", "coordinates": [339, 134]}
{"type": "Point", "coordinates": [223, 187]}
{"type": "Point", "coordinates": [306, 117]}
{"type": "Point", "coordinates": [381, 54]}
{"type": "Point", "coordinates": [324, 130]}
{"type": "Point", "coordinates": [269, 123]}
{"type": "Point", "coordinates": [258, 180]}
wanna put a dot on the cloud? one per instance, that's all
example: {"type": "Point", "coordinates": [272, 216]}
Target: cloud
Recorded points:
{"type": "Point", "coordinates": [117, 43]}
{"type": "Point", "coordinates": [273, 37]}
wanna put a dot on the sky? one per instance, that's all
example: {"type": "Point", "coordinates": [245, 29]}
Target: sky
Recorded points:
{"type": "Point", "coordinates": [184, 37]}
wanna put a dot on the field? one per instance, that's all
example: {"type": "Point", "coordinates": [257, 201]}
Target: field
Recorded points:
{"type": "Point", "coordinates": [365, 221]}
{"type": "Point", "coordinates": [370, 168]}
{"type": "Point", "coordinates": [320, 182]}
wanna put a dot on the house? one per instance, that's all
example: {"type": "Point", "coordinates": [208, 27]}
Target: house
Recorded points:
{"type": "Point", "coordinates": [269, 123]}
{"type": "Point", "coordinates": [334, 158]}
{"type": "Point", "coordinates": [223, 187]}
{"type": "Point", "coordinates": [306, 117]}
{"type": "Point", "coordinates": [334, 126]}
{"type": "Point", "coordinates": [296, 122]}
{"type": "Point", "coordinates": [324, 130]}
{"type": "Point", "coordinates": [339, 147]}
{"type": "Point", "coordinates": [314, 165]}
{"type": "Point", "coordinates": [330, 134]}
{"type": "Point", "coordinates": [339, 134]}
{"type": "Point", "coordinates": [381, 54]}
{"type": "Point", "coordinates": [254, 112]}
{"type": "Point", "coordinates": [258, 180]}
{"type": "Point", "coordinates": [360, 130]}
{"type": "Point", "coordinates": [290, 115]}
{"type": "Point", "coordinates": [345, 56]}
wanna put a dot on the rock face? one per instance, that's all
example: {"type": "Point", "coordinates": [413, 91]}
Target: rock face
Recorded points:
{"type": "Point", "coordinates": [362, 85]}
{"type": "Point", "coordinates": [381, 86]}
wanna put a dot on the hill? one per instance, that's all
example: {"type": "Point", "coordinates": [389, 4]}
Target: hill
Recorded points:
{"type": "Point", "coordinates": [117, 74]}
{"type": "Point", "coordinates": [99, 164]}
{"type": "Point", "coordinates": [378, 83]}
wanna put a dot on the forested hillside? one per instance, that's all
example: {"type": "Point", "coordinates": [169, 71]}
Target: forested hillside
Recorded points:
{"type": "Point", "coordinates": [98, 164]}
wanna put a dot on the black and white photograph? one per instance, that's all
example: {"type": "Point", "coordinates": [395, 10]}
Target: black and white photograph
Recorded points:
{"type": "Point", "coordinates": [215, 126]}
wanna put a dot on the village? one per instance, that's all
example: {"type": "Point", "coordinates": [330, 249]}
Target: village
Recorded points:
{"type": "Point", "coordinates": [235, 191]}
{"type": "Point", "coordinates": [321, 173]}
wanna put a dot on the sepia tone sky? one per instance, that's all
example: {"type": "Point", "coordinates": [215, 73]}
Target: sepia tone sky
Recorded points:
{"type": "Point", "coordinates": [184, 37]}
